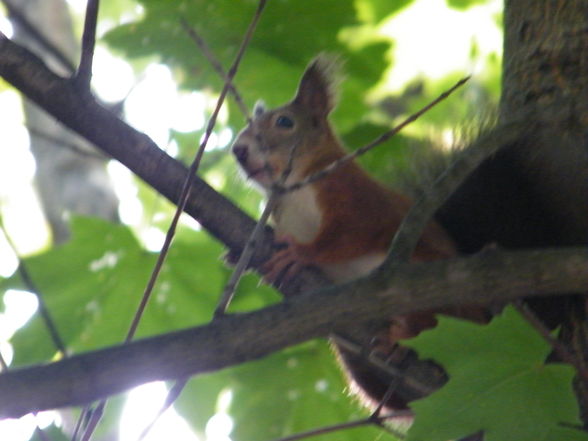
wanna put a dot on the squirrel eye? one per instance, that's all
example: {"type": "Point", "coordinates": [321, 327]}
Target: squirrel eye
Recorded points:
{"type": "Point", "coordinates": [285, 122]}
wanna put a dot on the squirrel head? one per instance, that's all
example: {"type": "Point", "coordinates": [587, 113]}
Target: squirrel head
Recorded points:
{"type": "Point", "coordinates": [299, 130]}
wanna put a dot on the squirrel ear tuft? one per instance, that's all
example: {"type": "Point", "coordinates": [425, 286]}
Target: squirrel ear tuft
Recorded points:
{"type": "Point", "coordinates": [259, 108]}
{"type": "Point", "coordinates": [318, 87]}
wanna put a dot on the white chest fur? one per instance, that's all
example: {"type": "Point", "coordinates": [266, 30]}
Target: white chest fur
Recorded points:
{"type": "Point", "coordinates": [298, 215]}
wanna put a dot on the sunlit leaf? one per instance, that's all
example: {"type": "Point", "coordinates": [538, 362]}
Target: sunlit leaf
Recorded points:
{"type": "Point", "coordinates": [92, 286]}
{"type": "Point", "coordinates": [293, 391]}
{"type": "Point", "coordinates": [498, 382]}
{"type": "Point", "coordinates": [289, 35]}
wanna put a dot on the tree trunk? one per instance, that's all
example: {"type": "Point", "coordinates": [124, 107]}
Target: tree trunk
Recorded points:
{"type": "Point", "coordinates": [545, 77]}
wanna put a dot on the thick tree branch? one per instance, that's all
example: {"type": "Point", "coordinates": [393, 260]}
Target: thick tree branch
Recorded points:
{"type": "Point", "coordinates": [61, 99]}
{"type": "Point", "coordinates": [490, 277]}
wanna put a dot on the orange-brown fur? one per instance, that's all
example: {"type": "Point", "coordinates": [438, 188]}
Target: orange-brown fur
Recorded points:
{"type": "Point", "coordinates": [351, 216]}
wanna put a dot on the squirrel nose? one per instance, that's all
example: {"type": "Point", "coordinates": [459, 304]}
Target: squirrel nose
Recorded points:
{"type": "Point", "coordinates": [241, 152]}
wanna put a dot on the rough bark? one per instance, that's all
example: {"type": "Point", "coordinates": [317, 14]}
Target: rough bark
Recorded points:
{"type": "Point", "coordinates": [235, 339]}
{"type": "Point", "coordinates": [545, 73]}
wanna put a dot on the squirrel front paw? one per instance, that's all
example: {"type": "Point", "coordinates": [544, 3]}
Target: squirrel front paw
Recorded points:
{"type": "Point", "coordinates": [286, 262]}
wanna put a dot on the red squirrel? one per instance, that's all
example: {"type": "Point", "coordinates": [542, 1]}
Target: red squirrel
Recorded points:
{"type": "Point", "coordinates": [342, 223]}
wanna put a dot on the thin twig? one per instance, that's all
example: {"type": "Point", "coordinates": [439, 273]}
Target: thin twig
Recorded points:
{"type": "Point", "coordinates": [83, 75]}
{"type": "Point", "coordinates": [95, 417]}
{"type": "Point", "coordinates": [377, 362]}
{"type": "Point", "coordinates": [188, 184]}
{"type": "Point", "coordinates": [382, 138]}
{"type": "Point", "coordinates": [244, 258]}
{"type": "Point", "coordinates": [560, 349]}
{"type": "Point", "coordinates": [3, 364]}
{"type": "Point", "coordinates": [248, 250]}
{"type": "Point", "coordinates": [32, 287]}
{"type": "Point", "coordinates": [349, 425]}
{"type": "Point", "coordinates": [192, 174]}
{"type": "Point", "coordinates": [387, 395]}
{"type": "Point", "coordinates": [172, 396]}
{"type": "Point", "coordinates": [79, 423]}
{"type": "Point", "coordinates": [215, 63]}
{"type": "Point", "coordinates": [327, 429]}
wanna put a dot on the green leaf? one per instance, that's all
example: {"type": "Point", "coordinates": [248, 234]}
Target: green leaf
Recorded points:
{"type": "Point", "coordinates": [290, 33]}
{"type": "Point", "coordinates": [295, 390]}
{"type": "Point", "coordinates": [498, 382]}
{"type": "Point", "coordinates": [93, 284]}
{"type": "Point", "coordinates": [198, 401]}
{"type": "Point", "coordinates": [78, 280]}
{"type": "Point", "coordinates": [377, 10]}
{"type": "Point", "coordinates": [52, 433]}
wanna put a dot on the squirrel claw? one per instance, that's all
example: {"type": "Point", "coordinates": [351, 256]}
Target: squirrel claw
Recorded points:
{"type": "Point", "coordinates": [285, 263]}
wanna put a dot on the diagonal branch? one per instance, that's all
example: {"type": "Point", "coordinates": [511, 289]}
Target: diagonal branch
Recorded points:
{"type": "Point", "coordinates": [85, 116]}
{"type": "Point", "coordinates": [135, 150]}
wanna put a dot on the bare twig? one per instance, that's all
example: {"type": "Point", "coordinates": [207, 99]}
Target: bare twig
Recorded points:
{"type": "Point", "coordinates": [377, 362]}
{"type": "Point", "coordinates": [245, 256]}
{"type": "Point", "coordinates": [327, 429]}
{"type": "Point", "coordinates": [80, 422]}
{"type": "Point", "coordinates": [192, 173]}
{"type": "Point", "coordinates": [369, 421]}
{"type": "Point", "coordinates": [83, 75]}
{"type": "Point", "coordinates": [215, 63]}
{"type": "Point", "coordinates": [186, 191]}
{"type": "Point", "coordinates": [387, 395]}
{"type": "Point", "coordinates": [94, 418]}
{"type": "Point", "coordinates": [172, 396]}
{"type": "Point", "coordinates": [3, 364]}
{"type": "Point", "coordinates": [382, 138]}
{"type": "Point", "coordinates": [32, 287]}
{"type": "Point", "coordinates": [559, 347]}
